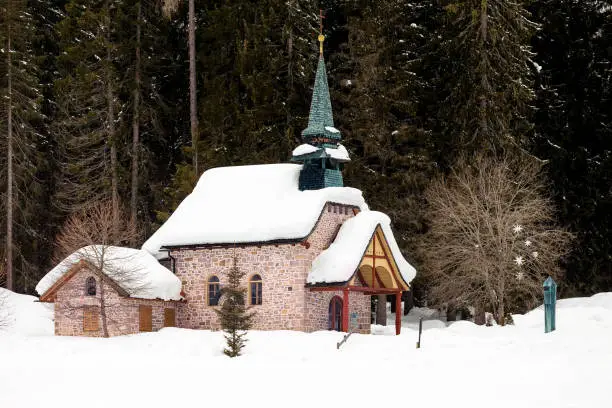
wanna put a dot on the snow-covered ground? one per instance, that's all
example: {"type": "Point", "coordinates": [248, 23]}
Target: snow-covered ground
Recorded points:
{"type": "Point", "coordinates": [459, 365]}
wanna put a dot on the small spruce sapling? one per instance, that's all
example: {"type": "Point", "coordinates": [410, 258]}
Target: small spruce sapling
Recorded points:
{"type": "Point", "coordinates": [235, 320]}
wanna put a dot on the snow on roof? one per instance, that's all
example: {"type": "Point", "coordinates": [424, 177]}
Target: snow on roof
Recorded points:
{"type": "Point", "coordinates": [134, 270]}
{"type": "Point", "coordinates": [243, 204]}
{"type": "Point", "coordinates": [339, 153]}
{"type": "Point", "coordinates": [304, 149]}
{"type": "Point", "coordinates": [339, 262]}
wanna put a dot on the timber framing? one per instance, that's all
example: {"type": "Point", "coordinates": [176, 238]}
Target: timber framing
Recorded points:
{"type": "Point", "coordinates": [375, 285]}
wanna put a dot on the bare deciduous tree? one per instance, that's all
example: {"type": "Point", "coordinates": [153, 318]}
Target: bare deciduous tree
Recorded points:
{"type": "Point", "coordinates": [91, 234]}
{"type": "Point", "coordinates": [493, 238]}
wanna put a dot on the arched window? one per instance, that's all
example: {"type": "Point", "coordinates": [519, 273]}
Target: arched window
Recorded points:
{"type": "Point", "coordinates": [214, 291]}
{"type": "Point", "coordinates": [90, 286]}
{"type": "Point", "coordinates": [255, 290]}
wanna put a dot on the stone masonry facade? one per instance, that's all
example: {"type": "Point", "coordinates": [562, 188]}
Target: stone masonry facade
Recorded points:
{"type": "Point", "coordinates": [287, 304]}
{"type": "Point", "coordinates": [122, 313]}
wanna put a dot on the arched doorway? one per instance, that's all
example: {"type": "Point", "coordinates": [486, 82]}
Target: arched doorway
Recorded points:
{"type": "Point", "coordinates": [335, 314]}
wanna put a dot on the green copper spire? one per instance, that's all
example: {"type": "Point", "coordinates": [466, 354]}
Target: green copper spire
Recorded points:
{"type": "Point", "coordinates": [321, 119]}
{"type": "Point", "coordinates": [321, 153]}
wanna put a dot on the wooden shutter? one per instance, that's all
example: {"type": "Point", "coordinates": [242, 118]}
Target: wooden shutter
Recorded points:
{"type": "Point", "coordinates": [91, 319]}
{"type": "Point", "coordinates": [169, 318]}
{"type": "Point", "coordinates": [146, 318]}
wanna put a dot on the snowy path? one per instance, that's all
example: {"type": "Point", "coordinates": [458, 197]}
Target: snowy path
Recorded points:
{"type": "Point", "coordinates": [459, 366]}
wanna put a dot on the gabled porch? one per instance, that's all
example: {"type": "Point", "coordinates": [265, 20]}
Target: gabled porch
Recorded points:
{"type": "Point", "coordinates": [377, 273]}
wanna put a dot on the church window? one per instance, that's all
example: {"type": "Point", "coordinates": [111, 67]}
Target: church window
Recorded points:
{"type": "Point", "coordinates": [90, 286]}
{"type": "Point", "coordinates": [214, 291]}
{"type": "Point", "coordinates": [255, 290]}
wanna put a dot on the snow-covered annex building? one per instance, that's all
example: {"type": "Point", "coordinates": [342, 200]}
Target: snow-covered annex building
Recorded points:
{"type": "Point", "coordinates": [312, 251]}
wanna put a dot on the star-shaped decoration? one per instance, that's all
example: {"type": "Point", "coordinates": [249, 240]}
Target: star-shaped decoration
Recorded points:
{"type": "Point", "coordinates": [534, 254]}
{"type": "Point", "coordinates": [527, 243]}
{"type": "Point", "coordinates": [519, 260]}
{"type": "Point", "coordinates": [517, 228]}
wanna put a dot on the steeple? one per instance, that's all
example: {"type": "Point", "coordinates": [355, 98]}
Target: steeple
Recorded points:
{"type": "Point", "coordinates": [321, 152]}
{"type": "Point", "coordinates": [321, 119]}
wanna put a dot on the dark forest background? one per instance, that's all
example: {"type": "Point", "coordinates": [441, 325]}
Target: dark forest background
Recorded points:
{"type": "Point", "coordinates": [96, 97]}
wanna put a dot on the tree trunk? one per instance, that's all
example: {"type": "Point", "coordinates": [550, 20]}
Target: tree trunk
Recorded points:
{"type": "Point", "coordinates": [451, 313]}
{"type": "Point", "coordinates": [192, 88]}
{"type": "Point", "coordinates": [479, 315]}
{"type": "Point", "coordinates": [9, 181]}
{"type": "Point", "coordinates": [111, 126]}
{"type": "Point", "coordinates": [484, 127]}
{"type": "Point", "coordinates": [408, 302]}
{"type": "Point", "coordinates": [103, 307]}
{"type": "Point", "coordinates": [136, 123]}
{"type": "Point", "coordinates": [381, 310]}
{"type": "Point", "coordinates": [501, 313]}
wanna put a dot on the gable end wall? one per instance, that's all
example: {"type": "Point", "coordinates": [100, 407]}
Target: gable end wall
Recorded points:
{"type": "Point", "coordinates": [122, 313]}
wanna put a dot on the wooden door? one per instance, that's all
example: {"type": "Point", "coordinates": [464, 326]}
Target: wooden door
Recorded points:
{"type": "Point", "coordinates": [91, 319]}
{"type": "Point", "coordinates": [146, 318]}
{"type": "Point", "coordinates": [169, 317]}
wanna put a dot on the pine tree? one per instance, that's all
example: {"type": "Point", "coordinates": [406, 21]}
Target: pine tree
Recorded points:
{"type": "Point", "coordinates": [235, 320]}
{"type": "Point", "coordinates": [256, 67]}
{"type": "Point", "coordinates": [484, 77]}
{"type": "Point", "coordinates": [145, 59]}
{"type": "Point", "coordinates": [88, 109]}
{"type": "Point", "coordinates": [20, 117]}
{"type": "Point", "coordinates": [376, 83]}
{"type": "Point", "coordinates": [574, 131]}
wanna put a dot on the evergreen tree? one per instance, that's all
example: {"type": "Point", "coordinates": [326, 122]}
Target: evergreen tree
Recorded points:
{"type": "Point", "coordinates": [483, 78]}
{"type": "Point", "coordinates": [89, 111]}
{"type": "Point", "coordinates": [256, 65]}
{"type": "Point", "coordinates": [145, 57]}
{"type": "Point", "coordinates": [574, 130]}
{"type": "Point", "coordinates": [376, 83]}
{"type": "Point", "coordinates": [20, 118]}
{"type": "Point", "coordinates": [235, 320]}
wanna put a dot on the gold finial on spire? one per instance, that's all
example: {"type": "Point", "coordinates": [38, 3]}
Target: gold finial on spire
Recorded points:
{"type": "Point", "coordinates": [321, 36]}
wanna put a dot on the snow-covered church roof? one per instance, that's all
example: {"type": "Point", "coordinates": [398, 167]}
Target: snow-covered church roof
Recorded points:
{"type": "Point", "coordinates": [248, 204]}
{"type": "Point", "coordinates": [136, 271]}
{"type": "Point", "coordinates": [340, 261]}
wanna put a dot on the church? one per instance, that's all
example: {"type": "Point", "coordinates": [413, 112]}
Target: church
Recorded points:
{"type": "Point", "coordinates": [312, 251]}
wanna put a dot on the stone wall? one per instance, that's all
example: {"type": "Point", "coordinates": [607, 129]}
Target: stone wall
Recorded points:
{"type": "Point", "coordinates": [283, 269]}
{"type": "Point", "coordinates": [122, 314]}
{"type": "Point", "coordinates": [318, 310]}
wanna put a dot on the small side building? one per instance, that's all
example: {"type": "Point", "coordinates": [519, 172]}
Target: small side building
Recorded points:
{"type": "Point", "coordinates": [110, 290]}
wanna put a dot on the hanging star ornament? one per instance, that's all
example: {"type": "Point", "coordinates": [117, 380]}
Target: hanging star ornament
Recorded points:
{"type": "Point", "coordinates": [519, 260]}
{"type": "Point", "coordinates": [517, 228]}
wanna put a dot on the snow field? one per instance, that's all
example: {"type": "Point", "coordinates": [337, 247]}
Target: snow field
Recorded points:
{"type": "Point", "coordinates": [459, 365]}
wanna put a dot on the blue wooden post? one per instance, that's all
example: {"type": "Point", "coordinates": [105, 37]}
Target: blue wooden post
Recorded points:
{"type": "Point", "coordinates": [550, 302]}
